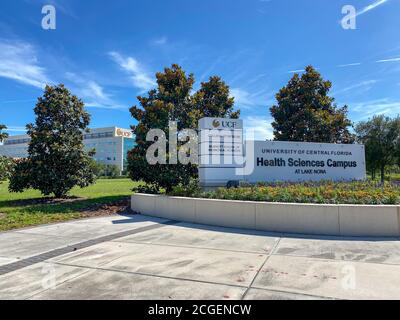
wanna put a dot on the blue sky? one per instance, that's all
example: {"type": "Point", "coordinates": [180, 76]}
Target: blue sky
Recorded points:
{"type": "Point", "coordinates": [107, 52]}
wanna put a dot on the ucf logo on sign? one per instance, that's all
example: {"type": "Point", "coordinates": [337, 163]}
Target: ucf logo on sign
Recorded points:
{"type": "Point", "coordinates": [217, 124]}
{"type": "Point", "coordinates": [220, 123]}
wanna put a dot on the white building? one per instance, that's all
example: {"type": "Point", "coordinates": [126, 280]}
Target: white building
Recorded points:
{"type": "Point", "coordinates": [111, 144]}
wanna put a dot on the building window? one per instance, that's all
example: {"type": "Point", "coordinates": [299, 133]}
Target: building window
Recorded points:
{"type": "Point", "coordinates": [98, 135]}
{"type": "Point", "coordinates": [16, 141]}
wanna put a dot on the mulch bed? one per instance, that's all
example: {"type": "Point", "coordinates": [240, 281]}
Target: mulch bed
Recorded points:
{"type": "Point", "coordinates": [122, 206]}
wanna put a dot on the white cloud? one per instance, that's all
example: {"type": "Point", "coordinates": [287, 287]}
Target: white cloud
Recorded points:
{"type": "Point", "coordinates": [95, 91]}
{"type": "Point", "coordinates": [16, 129]}
{"type": "Point", "coordinates": [245, 99]}
{"type": "Point", "coordinates": [207, 72]}
{"type": "Point", "coordinates": [371, 7]}
{"type": "Point", "coordinates": [389, 60]}
{"type": "Point", "coordinates": [242, 97]}
{"type": "Point", "coordinates": [296, 71]}
{"type": "Point", "coordinates": [160, 41]}
{"type": "Point", "coordinates": [130, 65]}
{"type": "Point", "coordinates": [18, 61]}
{"type": "Point", "coordinates": [92, 93]}
{"type": "Point", "coordinates": [370, 108]}
{"type": "Point", "coordinates": [349, 65]}
{"type": "Point", "coordinates": [257, 128]}
{"type": "Point", "coordinates": [96, 104]}
{"type": "Point", "coordinates": [364, 85]}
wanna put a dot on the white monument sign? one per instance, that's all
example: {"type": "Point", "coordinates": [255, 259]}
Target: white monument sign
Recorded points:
{"type": "Point", "coordinates": [299, 161]}
{"type": "Point", "coordinates": [220, 151]}
{"type": "Point", "coordinates": [225, 157]}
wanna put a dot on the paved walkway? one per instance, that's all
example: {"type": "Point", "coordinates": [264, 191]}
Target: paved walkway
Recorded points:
{"type": "Point", "coordinates": [137, 257]}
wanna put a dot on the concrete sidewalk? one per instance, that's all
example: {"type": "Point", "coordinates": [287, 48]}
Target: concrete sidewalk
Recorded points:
{"type": "Point", "coordinates": [137, 257]}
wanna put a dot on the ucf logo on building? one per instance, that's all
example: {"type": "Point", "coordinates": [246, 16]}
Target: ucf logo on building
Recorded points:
{"type": "Point", "coordinates": [123, 133]}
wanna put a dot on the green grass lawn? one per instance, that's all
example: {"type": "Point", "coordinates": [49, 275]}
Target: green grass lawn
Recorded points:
{"type": "Point", "coordinates": [19, 210]}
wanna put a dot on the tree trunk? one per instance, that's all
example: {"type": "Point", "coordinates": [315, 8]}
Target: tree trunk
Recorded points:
{"type": "Point", "coordinates": [382, 174]}
{"type": "Point", "coordinates": [60, 195]}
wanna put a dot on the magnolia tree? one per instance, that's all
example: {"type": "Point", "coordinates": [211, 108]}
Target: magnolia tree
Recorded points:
{"type": "Point", "coordinates": [57, 161]}
{"type": "Point", "coordinates": [172, 106]}
{"type": "Point", "coordinates": [305, 112]}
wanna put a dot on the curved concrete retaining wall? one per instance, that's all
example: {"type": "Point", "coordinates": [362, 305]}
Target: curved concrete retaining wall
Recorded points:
{"type": "Point", "coordinates": [337, 220]}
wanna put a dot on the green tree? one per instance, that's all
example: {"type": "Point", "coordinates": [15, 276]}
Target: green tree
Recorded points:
{"type": "Point", "coordinates": [305, 112]}
{"type": "Point", "coordinates": [3, 135]}
{"type": "Point", "coordinates": [213, 100]}
{"type": "Point", "coordinates": [381, 137]}
{"type": "Point", "coordinates": [172, 101]}
{"type": "Point", "coordinates": [56, 158]}
{"type": "Point", "coordinates": [6, 168]}
{"type": "Point", "coordinates": [105, 170]}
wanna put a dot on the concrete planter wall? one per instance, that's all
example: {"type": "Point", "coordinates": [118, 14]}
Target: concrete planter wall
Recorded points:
{"type": "Point", "coordinates": [336, 220]}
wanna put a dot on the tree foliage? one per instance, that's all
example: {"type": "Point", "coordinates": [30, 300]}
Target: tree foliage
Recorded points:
{"type": "Point", "coordinates": [3, 135]}
{"type": "Point", "coordinates": [56, 158]}
{"type": "Point", "coordinates": [172, 101]}
{"type": "Point", "coordinates": [105, 170]}
{"type": "Point", "coordinates": [213, 100]}
{"type": "Point", "coordinates": [381, 137]}
{"type": "Point", "coordinates": [305, 112]}
{"type": "Point", "coordinates": [6, 168]}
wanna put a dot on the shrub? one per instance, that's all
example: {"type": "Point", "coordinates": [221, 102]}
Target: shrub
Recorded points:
{"type": "Point", "coordinates": [188, 190]}
{"type": "Point", "coordinates": [146, 188]}
{"type": "Point", "coordinates": [328, 192]}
